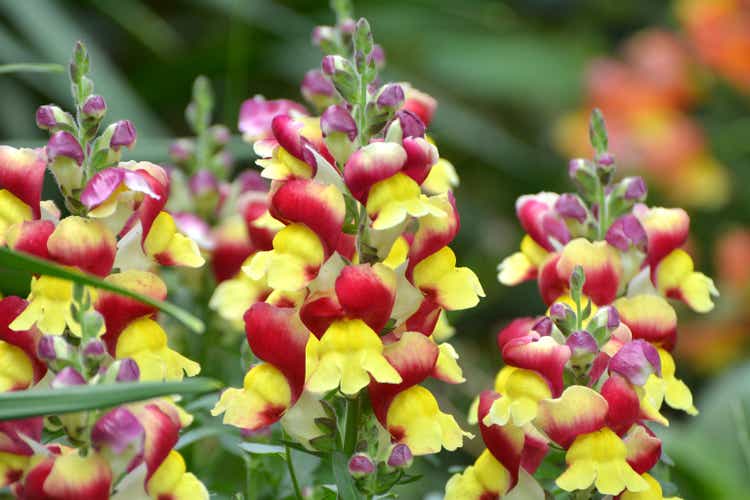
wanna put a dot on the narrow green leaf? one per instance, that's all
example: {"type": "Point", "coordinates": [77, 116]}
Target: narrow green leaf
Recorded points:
{"type": "Point", "coordinates": [32, 68]}
{"type": "Point", "coordinates": [200, 433]}
{"type": "Point", "coordinates": [24, 404]}
{"type": "Point", "coordinates": [262, 449]}
{"type": "Point", "coordinates": [11, 259]}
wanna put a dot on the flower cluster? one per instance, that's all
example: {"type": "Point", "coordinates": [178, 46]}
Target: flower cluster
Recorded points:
{"type": "Point", "coordinates": [589, 377]}
{"type": "Point", "coordinates": [648, 95]}
{"type": "Point", "coordinates": [344, 306]}
{"type": "Point", "coordinates": [65, 334]}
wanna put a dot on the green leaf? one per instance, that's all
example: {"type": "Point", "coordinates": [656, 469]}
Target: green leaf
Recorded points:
{"type": "Point", "coordinates": [11, 259]}
{"type": "Point", "coordinates": [31, 68]}
{"type": "Point", "coordinates": [32, 403]}
{"type": "Point", "coordinates": [344, 481]}
{"type": "Point", "coordinates": [200, 433]}
{"type": "Point", "coordinates": [598, 132]}
{"type": "Point", "coordinates": [262, 449]}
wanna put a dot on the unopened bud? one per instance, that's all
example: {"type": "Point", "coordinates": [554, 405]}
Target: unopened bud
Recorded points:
{"type": "Point", "coordinates": [583, 348]}
{"type": "Point", "coordinates": [563, 317]}
{"type": "Point", "coordinates": [605, 159]}
{"type": "Point", "coordinates": [250, 180]}
{"type": "Point", "coordinates": [337, 119]}
{"type": "Point", "coordinates": [625, 232]}
{"type": "Point", "coordinates": [203, 182]}
{"type": "Point", "coordinates": [635, 189]}
{"type": "Point", "coordinates": [64, 144]}
{"type": "Point", "coordinates": [543, 326]}
{"type": "Point", "coordinates": [182, 150]}
{"type": "Point", "coordinates": [220, 134]}
{"type": "Point", "coordinates": [123, 135]}
{"type": "Point", "coordinates": [391, 96]}
{"type": "Point", "coordinates": [317, 89]}
{"type": "Point", "coordinates": [117, 431]}
{"type": "Point", "coordinates": [361, 465]}
{"type": "Point", "coordinates": [407, 123]}
{"type": "Point", "coordinates": [343, 76]}
{"type": "Point", "coordinates": [50, 117]}
{"type": "Point", "coordinates": [324, 37]}
{"type": "Point", "coordinates": [95, 349]}
{"type": "Point", "coordinates": [400, 456]}
{"type": "Point", "coordinates": [569, 206]}
{"type": "Point", "coordinates": [363, 37]}
{"type": "Point", "coordinates": [94, 107]}
{"type": "Point", "coordinates": [583, 173]}
{"type": "Point", "coordinates": [378, 56]}
{"type": "Point", "coordinates": [68, 377]}
{"type": "Point", "coordinates": [127, 370]}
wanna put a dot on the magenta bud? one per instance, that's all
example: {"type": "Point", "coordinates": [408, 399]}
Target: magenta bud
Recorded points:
{"type": "Point", "coordinates": [94, 107]}
{"type": "Point", "coordinates": [95, 349]}
{"type": "Point", "coordinates": [361, 465]}
{"type": "Point", "coordinates": [45, 117]}
{"type": "Point", "coordinates": [400, 456]}
{"type": "Point", "coordinates": [575, 165]}
{"type": "Point", "coordinates": [322, 34]}
{"type": "Point", "coordinates": [315, 84]}
{"type": "Point", "coordinates": [411, 125]}
{"type": "Point", "coordinates": [250, 180]}
{"type": "Point", "coordinates": [605, 159]}
{"type": "Point", "coordinates": [583, 346]}
{"type": "Point", "coordinates": [627, 231]}
{"type": "Point", "coordinates": [117, 431]}
{"type": "Point", "coordinates": [68, 377]}
{"type": "Point", "coordinates": [203, 181]}
{"type": "Point", "coordinates": [46, 348]}
{"type": "Point", "coordinates": [123, 135]}
{"type": "Point", "coordinates": [543, 326]}
{"type": "Point", "coordinates": [182, 149]}
{"type": "Point", "coordinates": [636, 361]}
{"type": "Point", "coordinates": [63, 143]}
{"type": "Point", "coordinates": [336, 118]}
{"type": "Point", "coordinates": [128, 371]}
{"type": "Point", "coordinates": [560, 311]}
{"type": "Point", "coordinates": [391, 96]}
{"type": "Point", "coordinates": [328, 65]}
{"type": "Point", "coordinates": [569, 206]}
{"type": "Point", "coordinates": [613, 318]}
{"type": "Point", "coordinates": [636, 189]}
{"type": "Point", "coordinates": [220, 134]}
{"type": "Point", "coordinates": [378, 55]}
{"type": "Point", "coordinates": [348, 26]}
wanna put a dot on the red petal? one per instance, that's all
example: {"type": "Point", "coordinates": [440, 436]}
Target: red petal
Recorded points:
{"type": "Point", "coordinates": [22, 173]}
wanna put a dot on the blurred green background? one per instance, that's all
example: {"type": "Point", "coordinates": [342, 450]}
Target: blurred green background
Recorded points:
{"type": "Point", "coordinates": [503, 73]}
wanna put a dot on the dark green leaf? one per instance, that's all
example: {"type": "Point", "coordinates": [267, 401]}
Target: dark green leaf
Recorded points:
{"type": "Point", "coordinates": [23, 262]}
{"type": "Point", "coordinates": [23, 404]}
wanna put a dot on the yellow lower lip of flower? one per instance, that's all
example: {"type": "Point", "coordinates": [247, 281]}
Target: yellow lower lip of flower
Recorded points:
{"type": "Point", "coordinates": [171, 480]}
{"type": "Point", "coordinates": [145, 342]}
{"type": "Point", "coordinates": [521, 391]}
{"type": "Point", "coordinates": [169, 246]}
{"type": "Point", "coordinates": [12, 211]}
{"type": "Point", "coordinates": [264, 396]}
{"type": "Point", "coordinates": [486, 477]}
{"type": "Point", "coordinates": [49, 307]}
{"type": "Point", "coordinates": [392, 200]}
{"type": "Point", "coordinates": [346, 356]}
{"type": "Point", "coordinates": [675, 276]}
{"type": "Point", "coordinates": [454, 287]}
{"type": "Point", "coordinates": [599, 458]}
{"type": "Point", "coordinates": [414, 418]}
{"type": "Point", "coordinates": [283, 165]}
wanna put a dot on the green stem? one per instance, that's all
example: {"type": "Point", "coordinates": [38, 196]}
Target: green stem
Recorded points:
{"type": "Point", "coordinates": [603, 213]}
{"type": "Point", "coordinates": [352, 425]}
{"type": "Point", "coordinates": [249, 466]}
{"type": "Point", "coordinates": [579, 319]}
{"type": "Point", "coordinates": [292, 473]}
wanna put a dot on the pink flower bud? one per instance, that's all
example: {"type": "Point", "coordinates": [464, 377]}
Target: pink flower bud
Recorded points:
{"type": "Point", "coordinates": [250, 180]}
{"type": "Point", "coordinates": [182, 149]}
{"type": "Point", "coordinates": [543, 326]}
{"type": "Point", "coordinates": [627, 231]}
{"type": "Point", "coordinates": [336, 118]}
{"type": "Point", "coordinates": [348, 26]}
{"type": "Point", "coordinates": [315, 85]}
{"type": "Point", "coordinates": [361, 465]}
{"type": "Point", "coordinates": [560, 311]}
{"type": "Point", "coordinates": [636, 189]}
{"type": "Point", "coordinates": [322, 34]}
{"type": "Point", "coordinates": [569, 206]}
{"type": "Point", "coordinates": [583, 347]}
{"type": "Point", "coordinates": [117, 431]}
{"type": "Point", "coordinates": [400, 456]}
{"type": "Point", "coordinates": [635, 361]}
{"type": "Point", "coordinates": [220, 134]}
{"type": "Point", "coordinates": [64, 144]}
{"type": "Point", "coordinates": [328, 65]}
{"type": "Point", "coordinates": [411, 125]}
{"type": "Point", "coordinates": [605, 159]}
{"type": "Point", "coordinates": [95, 349]}
{"type": "Point", "coordinates": [94, 107]}
{"type": "Point", "coordinates": [124, 135]}
{"type": "Point", "coordinates": [202, 182]}
{"type": "Point", "coordinates": [378, 55]}
{"type": "Point", "coordinates": [390, 96]}
{"type": "Point", "coordinates": [46, 349]}
{"type": "Point", "coordinates": [45, 117]}
{"type": "Point", "coordinates": [128, 371]}
{"type": "Point", "coordinates": [68, 377]}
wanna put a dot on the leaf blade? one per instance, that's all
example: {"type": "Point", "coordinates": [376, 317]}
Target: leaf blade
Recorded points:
{"type": "Point", "coordinates": [32, 403]}
{"type": "Point", "coordinates": [23, 262]}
